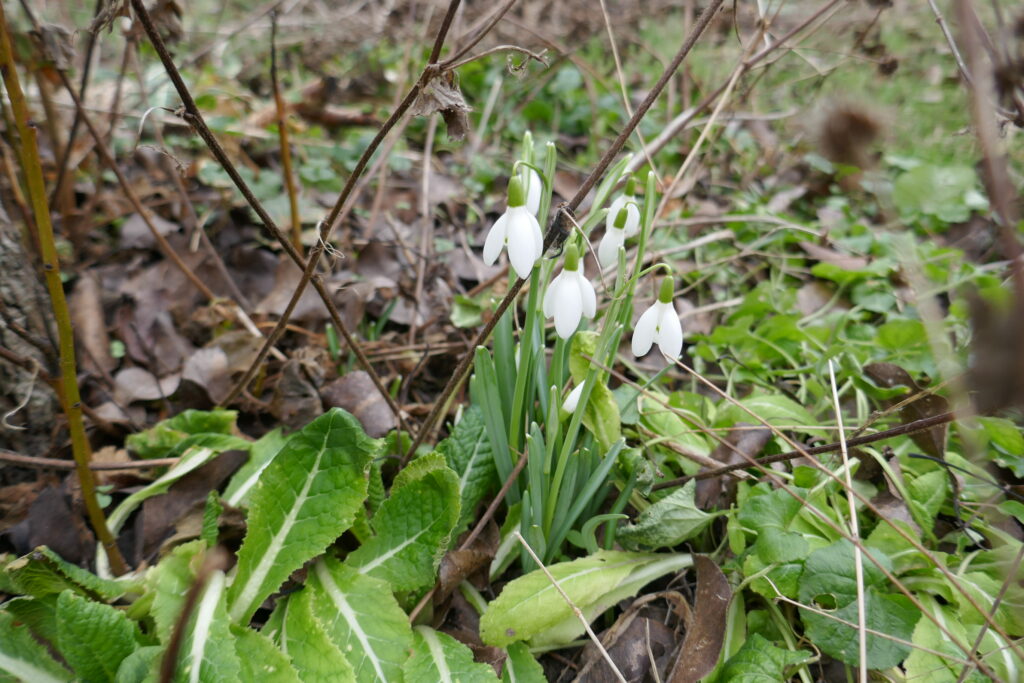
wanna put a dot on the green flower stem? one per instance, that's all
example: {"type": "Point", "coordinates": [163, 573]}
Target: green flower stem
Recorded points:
{"type": "Point", "coordinates": [527, 357]}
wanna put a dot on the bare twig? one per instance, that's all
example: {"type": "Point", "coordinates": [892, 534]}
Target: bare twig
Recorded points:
{"type": "Point", "coordinates": [282, 133]}
{"type": "Point", "coordinates": [195, 118]}
{"type": "Point", "coordinates": [69, 395]}
{"type": "Point", "coordinates": [58, 464]}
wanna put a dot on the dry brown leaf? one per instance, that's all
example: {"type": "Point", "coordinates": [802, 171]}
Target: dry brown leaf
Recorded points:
{"type": "Point", "coordinates": [136, 384]}
{"type": "Point", "coordinates": [356, 393]}
{"type": "Point", "coordinates": [705, 633]}
{"type": "Point", "coordinates": [833, 257]}
{"type": "Point", "coordinates": [90, 327]}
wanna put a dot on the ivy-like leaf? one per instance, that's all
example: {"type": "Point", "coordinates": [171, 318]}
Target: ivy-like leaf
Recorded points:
{"type": "Point", "coordinates": [439, 657]}
{"type": "Point", "coordinates": [93, 637]}
{"type": "Point", "coordinates": [758, 661]}
{"type": "Point", "coordinates": [24, 658]}
{"type": "Point", "coordinates": [770, 514]}
{"type": "Point", "coordinates": [361, 616]}
{"type": "Point", "coordinates": [306, 498]}
{"type": "Point", "coordinates": [413, 526]}
{"type": "Point", "coordinates": [531, 608]}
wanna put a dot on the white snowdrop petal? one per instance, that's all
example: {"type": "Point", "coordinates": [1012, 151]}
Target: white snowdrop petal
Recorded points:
{"type": "Point", "coordinates": [495, 239]}
{"type": "Point", "coordinates": [670, 331]}
{"type": "Point", "coordinates": [534, 188]}
{"type": "Point", "coordinates": [632, 226]}
{"type": "Point", "coordinates": [587, 294]}
{"type": "Point", "coordinates": [522, 250]}
{"type": "Point", "coordinates": [643, 333]}
{"type": "Point", "coordinates": [548, 305]}
{"type": "Point", "coordinates": [573, 399]}
{"type": "Point", "coordinates": [538, 238]}
{"type": "Point", "coordinates": [568, 310]}
{"type": "Point", "coordinates": [608, 251]}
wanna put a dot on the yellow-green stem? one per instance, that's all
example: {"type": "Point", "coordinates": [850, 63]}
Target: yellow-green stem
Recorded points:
{"type": "Point", "coordinates": [69, 396]}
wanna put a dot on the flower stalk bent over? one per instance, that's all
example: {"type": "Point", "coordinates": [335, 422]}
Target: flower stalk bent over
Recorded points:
{"type": "Point", "coordinates": [517, 230]}
{"type": "Point", "coordinates": [570, 296]}
{"type": "Point", "coordinates": [659, 325]}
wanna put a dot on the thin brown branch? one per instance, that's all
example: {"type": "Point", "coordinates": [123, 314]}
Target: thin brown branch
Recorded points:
{"type": "Point", "coordinates": [69, 394]}
{"type": "Point", "coordinates": [40, 463]}
{"type": "Point", "coordinates": [282, 134]}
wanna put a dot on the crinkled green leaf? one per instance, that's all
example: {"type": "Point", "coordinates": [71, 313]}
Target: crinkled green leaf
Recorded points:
{"type": "Point", "coordinates": [305, 499]}
{"type": "Point", "coordinates": [260, 454]}
{"type": "Point", "coordinates": [672, 520]}
{"type": "Point", "coordinates": [666, 423]}
{"type": "Point", "coordinates": [438, 657]}
{"type": "Point", "coordinates": [521, 667]}
{"type": "Point", "coordinates": [413, 526]}
{"type": "Point", "coordinates": [211, 519]}
{"type": "Point", "coordinates": [22, 657]}
{"type": "Point", "coordinates": [831, 571]}
{"type": "Point", "coordinates": [303, 638]}
{"type": "Point", "coordinates": [531, 608]}
{"type": "Point", "coordinates": [947, 192]}
{"type": "Point", "coordinates": [168, 583]}
{"type": "Point", "coordinates": [44, 572]}
{"type": "Point", "coordinates": [1008, 441]}
{"type": "Point", "coordinates": [360, 616]}
{"type": "Point", "coordinates": [161, 440]}
{"type": "Point", "coordinates": [208, 649]}
{"type": "Point", "coordinates": [758, 661]}
{"type": "Point", "coordinates": [93, 637]}
{"type": "Point", "coordinates": [261, 660]}
{"type": "Point", "coordinates": [926, 663]}
{"type": "Point", "coordinates": [983, 587]}
{"type": "Point", "coordinates": [39, 614]}
{"type": "Point", "coordinates": [468, 452]}
{"type": "Point", "coordinates": [141, 666]}
{"type": "Point", "coordinates": [927, 494]}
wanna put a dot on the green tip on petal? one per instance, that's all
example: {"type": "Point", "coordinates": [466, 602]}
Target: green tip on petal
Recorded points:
{"type": "Point", "coordinates": [572, 257]}
{"type": "Point", "coordinates": [620, 219]}
{"type": "Point", "coordinates": [668, 285]}
{"type": "Point", "coordinates": [631, 186]}
{"type": "Point", "coordinates": [516, 194]}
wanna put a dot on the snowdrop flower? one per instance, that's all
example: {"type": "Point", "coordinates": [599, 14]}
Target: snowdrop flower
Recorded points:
{"type": "Point", "coordinates": [628, 202]}
{"type": "Point", "coordinates": [534, 188]}
{"type": "Point", "coordinates": [570, 296]}
{"type": "Point", "coordinates": [517, 230]}
{"type": "Point", "coordinates": [614, 237]}
{"type": "Point", "coordinates": [573, 399]}
{"type": "Point", "coordinates": [659, 325]}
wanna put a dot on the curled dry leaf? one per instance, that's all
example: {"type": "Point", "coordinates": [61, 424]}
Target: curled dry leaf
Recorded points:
{"type": "Point", "coordinates": [932, 441]}
{"type": "Point", "coordinates": [706, 632]}
{"type": "Point", "coordinates": [90, 326]}
{"type": "Point", "coordinates": [441, 95]}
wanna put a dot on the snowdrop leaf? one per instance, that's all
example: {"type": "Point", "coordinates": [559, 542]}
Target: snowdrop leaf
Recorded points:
{"type": "Point", "coordinates": [307, 497]}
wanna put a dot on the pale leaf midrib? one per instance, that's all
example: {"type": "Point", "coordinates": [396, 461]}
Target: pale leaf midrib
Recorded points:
{"type": "Point", "coordinates": [350, 615]}
{"type": "Point", "coordinates": [252, 586]}
{"type": "Point", "coordinates": [204, 620]}
{"type": "Point", "coordinates": [437, 653]}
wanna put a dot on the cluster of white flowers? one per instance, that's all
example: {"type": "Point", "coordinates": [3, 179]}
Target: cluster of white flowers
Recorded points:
{"type": "Point", "coordinates": [570, 297]}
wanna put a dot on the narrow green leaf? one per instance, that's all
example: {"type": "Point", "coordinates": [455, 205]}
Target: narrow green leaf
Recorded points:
{"type": "Point", "coordinates": [413, 526]}
{"type": "Point", "coordinates": [521, 667]}
{"type": "Point", "coordinates": [92, 637]}
{"type": "Point", "coordinates": [303, 638]}
{"type": "Point", "coordinates": [530, 607]}
{"type": "Point", "coordinates": [24, 658]}
{"type": "Point", "coordinates": [361, 616]}
{"type": "Point", "coordinates": [306, 498]}
{"type": "Point", "coordinates": [439, 657]}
